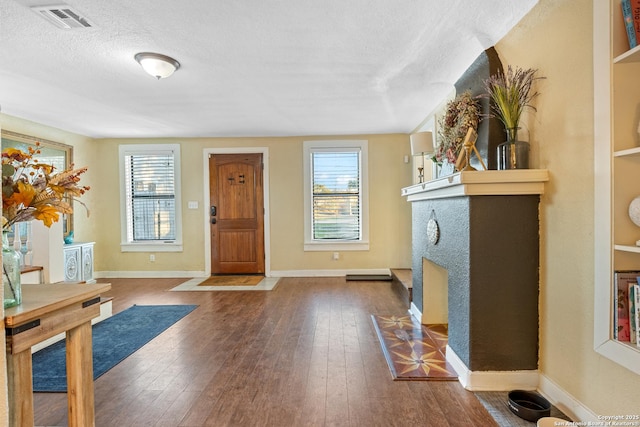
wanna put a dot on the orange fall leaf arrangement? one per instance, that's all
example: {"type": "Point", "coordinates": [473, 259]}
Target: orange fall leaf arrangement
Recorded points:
{"type": "Point", "coordinates": [31, 190]}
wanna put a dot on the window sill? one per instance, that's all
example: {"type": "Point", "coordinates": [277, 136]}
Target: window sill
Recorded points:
{"type": "Point", "coordinates": [336, 246]}
{"type": "Point", "coordinates": [151, 247]}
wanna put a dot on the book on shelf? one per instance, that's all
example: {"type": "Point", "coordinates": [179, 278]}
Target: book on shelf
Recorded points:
{"type": "Point", "coordinates": [632, 311]}
{"type": "Point", "coordinates": [627, 16]}
{"type": "Point", "coordinates": [621, 313]}
{"type": "Point", "coordinates": [635, 14]}
{"type": "Point", "coordinates": [637, 312]}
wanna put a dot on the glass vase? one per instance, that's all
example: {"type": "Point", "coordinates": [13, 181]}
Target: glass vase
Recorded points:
{"type": "Point", "coordinates": [10, 273]}
{"type": "Point", "coordinates": [513, 154]}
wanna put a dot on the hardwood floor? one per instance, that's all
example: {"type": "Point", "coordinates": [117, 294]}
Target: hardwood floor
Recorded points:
{"type": "Point", "coordinates": [304, 354]}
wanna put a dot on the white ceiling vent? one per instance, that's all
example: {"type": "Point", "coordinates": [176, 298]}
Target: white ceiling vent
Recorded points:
{"type": "Point", "coordinates": [62, 16]}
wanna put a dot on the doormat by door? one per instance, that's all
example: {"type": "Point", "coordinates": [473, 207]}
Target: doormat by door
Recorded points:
{"type": "Point", "coordinates": [414, 352]}
{"type": "Point", "coordinates": [232, 281]}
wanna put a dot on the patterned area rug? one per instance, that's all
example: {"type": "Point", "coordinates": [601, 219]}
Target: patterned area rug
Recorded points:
{"type": "Point", "coordinates": [414, 351]}
{"type": "Point", "coordinates": [232, 281]}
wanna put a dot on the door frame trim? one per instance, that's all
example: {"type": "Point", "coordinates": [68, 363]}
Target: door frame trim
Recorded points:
{"type": "Point", "coordinates": [265, 194]}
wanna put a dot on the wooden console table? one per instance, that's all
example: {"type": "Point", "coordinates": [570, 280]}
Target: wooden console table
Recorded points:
{"type": "Point", "coordinates": [48, 310]}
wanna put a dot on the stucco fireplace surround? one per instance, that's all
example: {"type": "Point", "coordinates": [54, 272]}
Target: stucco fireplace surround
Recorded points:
{"type": "Point", "coordinates": [485, 267]}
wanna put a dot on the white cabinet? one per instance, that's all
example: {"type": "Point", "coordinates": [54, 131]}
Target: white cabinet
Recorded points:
{"type": "Point", "coordinates": [78, 262]}
{"type": "Point", "coordinates": [72, 264]}
{"type": "Point", "coordinates": [86, 253]}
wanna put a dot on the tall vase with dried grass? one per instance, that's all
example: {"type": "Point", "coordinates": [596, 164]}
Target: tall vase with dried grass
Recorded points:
{"type": "Point", "coordinates": [511, 93]}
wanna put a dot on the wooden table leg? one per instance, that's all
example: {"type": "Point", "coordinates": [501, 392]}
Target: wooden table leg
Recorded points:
{"type": "Point", "coordinates": [21, 386]}
{"type": "Point", "coordinates": [80, 376]}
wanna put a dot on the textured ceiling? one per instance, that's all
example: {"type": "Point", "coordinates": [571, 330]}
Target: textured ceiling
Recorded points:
{"type": "Point", "coordinates": [249, 67]}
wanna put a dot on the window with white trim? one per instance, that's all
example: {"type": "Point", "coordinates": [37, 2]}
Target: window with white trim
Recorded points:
{"type": "Point", "coordinates": [336, 195]}
{"type": "Point", "coordinates": [150, 197]}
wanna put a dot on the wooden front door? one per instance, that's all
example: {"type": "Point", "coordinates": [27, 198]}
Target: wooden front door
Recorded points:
{"type": "Point", "coordinates": [236, 213]}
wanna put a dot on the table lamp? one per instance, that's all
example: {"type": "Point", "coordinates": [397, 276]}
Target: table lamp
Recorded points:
{"type": "Point", "coordinates": [421, 144]}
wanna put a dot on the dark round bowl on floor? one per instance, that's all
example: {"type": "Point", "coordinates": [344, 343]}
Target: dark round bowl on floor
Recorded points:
{"type": "Point", "coordinates": [528, 405]}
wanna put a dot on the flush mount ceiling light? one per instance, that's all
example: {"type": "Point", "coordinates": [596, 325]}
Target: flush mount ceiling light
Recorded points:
{"type": "Point", "coordinates": [158, 65]}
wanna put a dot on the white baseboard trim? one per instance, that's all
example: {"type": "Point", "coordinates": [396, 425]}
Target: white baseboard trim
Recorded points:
{"type": "Point", "coordinates": [492, 380]}
{"type": "Point", "coordinates": [272, 273]}
{"type": "Point", "coordinates": [148, 274]}
{"type": "Point", "coordinates": [327, 273]}
{"type": "Point", "coordinates": [564, 401]}
{"type": "Point", "coordinates": [415, 312]}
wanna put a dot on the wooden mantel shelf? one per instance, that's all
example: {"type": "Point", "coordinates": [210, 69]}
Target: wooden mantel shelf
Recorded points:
{"type": "Point", "coordinates": [480, 183]}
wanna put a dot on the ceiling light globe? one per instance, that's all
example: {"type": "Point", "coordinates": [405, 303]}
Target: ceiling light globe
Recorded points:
{"type": "Point", "coordinates": [158, 65]}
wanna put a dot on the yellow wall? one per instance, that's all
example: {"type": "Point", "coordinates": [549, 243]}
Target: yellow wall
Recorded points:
{"type": "Point", "coordinates": [390, 214]}
{"type": "Point", "coordinates": [556, 38]}
{"type": "Point", "coordinates": [390, 233]}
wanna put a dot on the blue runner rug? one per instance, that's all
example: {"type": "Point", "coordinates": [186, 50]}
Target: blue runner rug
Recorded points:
{"type": "Point", "coordinates": [114, 339]}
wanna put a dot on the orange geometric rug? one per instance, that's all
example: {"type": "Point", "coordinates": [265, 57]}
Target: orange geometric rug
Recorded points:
{"type": "Point", "coordinates": [232, 281]}
{"type": "Point", "coordinates": [413, 351]}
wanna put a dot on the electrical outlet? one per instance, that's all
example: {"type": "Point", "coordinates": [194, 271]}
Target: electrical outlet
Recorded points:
{"type": "Point", "coordinates": [336, 256]}
{"type": "Point", "coordinates": [152, 258]}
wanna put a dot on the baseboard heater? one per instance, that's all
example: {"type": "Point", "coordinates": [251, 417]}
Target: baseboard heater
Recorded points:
{"type": "Point", "coordinates": [369, 277]}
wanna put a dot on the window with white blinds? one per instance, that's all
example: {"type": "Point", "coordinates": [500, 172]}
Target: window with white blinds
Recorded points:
{"type": "Point", "coordinates": [150, 175]}
{"type": "Point", "coordinates": [335, 195]}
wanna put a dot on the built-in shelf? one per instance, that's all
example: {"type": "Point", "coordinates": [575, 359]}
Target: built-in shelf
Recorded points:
{"type": "Point", "coordinates": [627, 248]}
{"type": "Point", "coordinates": [629, 56]}
{"type": "Point", "coordinates": [629, 345]}
{"type": "Point", "coordinates": [615, 70]}
{"type": "Point", "coordinates": [627, 153]}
